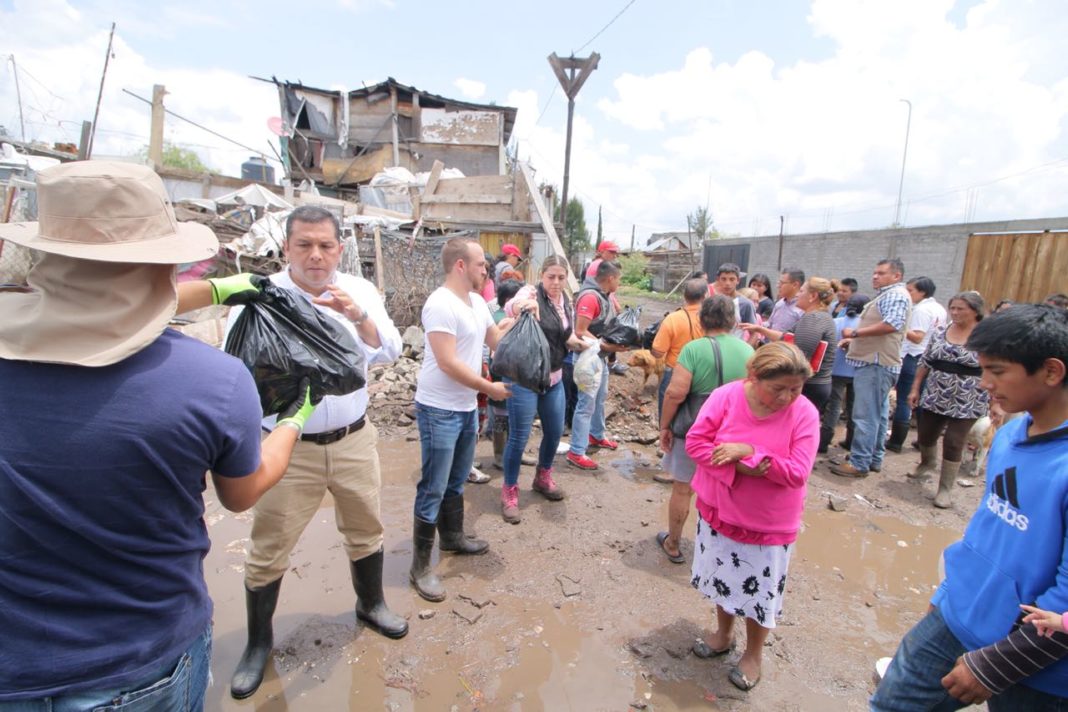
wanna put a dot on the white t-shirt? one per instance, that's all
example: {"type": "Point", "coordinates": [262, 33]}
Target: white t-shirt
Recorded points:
{"type": "Point", "coordinates": [927, 316]}
{"type": "Point", "coordinates": [446, 313]}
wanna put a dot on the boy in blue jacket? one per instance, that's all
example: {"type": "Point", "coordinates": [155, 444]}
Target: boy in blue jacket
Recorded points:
{"type": "Point", "coordinates": [971, 646]}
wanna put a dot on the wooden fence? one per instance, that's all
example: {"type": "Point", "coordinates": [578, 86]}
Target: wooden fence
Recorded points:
{"type": "Point", "coordinates": [1023, 267]}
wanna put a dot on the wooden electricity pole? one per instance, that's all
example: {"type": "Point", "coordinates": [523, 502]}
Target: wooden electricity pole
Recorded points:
{"type": "Point", "coordinates": [100, 95]}
{"type": "Point", "coordinates": [572, 72]}
{"type": "Point", "coordinates": [155, 135]}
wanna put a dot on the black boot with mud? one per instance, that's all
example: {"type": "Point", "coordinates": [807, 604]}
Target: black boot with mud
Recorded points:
{"type": "Point", "coordinates": [451, 529]}
{"type": "Point", "coordinates": [371, 605]}
{"type": "Point", "coordinates": [260, 604]}
{"type": "Point", "coordinates": [423, 578]}
{"type": "Point", "coordinates": [899, 433]}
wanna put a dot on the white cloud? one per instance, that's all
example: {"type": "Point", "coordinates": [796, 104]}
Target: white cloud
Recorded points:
{"type": "Point", "coordinates": [48, 38]}
{"type": "Point", "coordinates": [821, 141]}
{"type": "Point", "coordinates": [470, 88]}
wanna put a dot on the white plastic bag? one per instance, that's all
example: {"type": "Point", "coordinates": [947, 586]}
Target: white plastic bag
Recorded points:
{"type": "Point", "coordinates": [589, 367]}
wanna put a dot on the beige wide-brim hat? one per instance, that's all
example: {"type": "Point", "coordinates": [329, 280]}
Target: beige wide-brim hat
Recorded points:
{"type": "Point", "coordinates": [104, 287]}
{"type": "Point", "coordinates": [109, 211]}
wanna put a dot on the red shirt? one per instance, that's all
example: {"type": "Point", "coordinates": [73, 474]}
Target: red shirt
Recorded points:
{"type": "Point", "coordinates": [588, 305]}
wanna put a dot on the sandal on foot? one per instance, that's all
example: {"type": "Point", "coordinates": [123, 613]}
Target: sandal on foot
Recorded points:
{"type": "Point", "coordinates": [739, 680]}
{"type": "Point", "coordinates": [673, 558]}
{"type": "Point", "coordinates": [704, 651]}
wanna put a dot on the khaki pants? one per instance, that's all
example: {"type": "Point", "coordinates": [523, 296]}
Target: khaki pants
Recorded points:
{"type": "Point", "coordinates": [349, 470]}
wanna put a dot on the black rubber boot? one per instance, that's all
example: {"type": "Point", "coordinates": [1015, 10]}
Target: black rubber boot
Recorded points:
{"type": "Point", "coordinates": [826, 434]}
{"type": "Point", "coordinates": [371, 605]}
{"type": "Point", "coordinates": [899, 433]}
{"type": "Point", "coordinates": [260, 604]}
{"type": "Point", "coordinates": [423, 579]}
{"type": "Point", "coordinates": [451, 529]}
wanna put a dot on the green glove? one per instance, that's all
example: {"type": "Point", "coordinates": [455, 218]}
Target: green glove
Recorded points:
{"type": "Point", "coordinates": [301, 409]}
{"type": "Point", "coordinates": [237, 288]}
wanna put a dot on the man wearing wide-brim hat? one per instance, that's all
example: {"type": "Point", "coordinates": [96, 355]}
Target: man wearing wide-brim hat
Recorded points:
{"type": "Point", "coordinates": [108, 423]}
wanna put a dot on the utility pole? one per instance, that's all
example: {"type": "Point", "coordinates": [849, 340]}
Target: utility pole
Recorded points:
{"type": "Point", "coordinates": [905, 155]}
{"type": "Point", "coordinates": [18, 94]}
{"type": "Point", "coordinates": [632, 228]}
{"type": "Point", "coordinates": [100, 94]}
{"type": "Point", "coordinates": [155, 135]}
{"type": "Point", "coordinates": [572, 72]}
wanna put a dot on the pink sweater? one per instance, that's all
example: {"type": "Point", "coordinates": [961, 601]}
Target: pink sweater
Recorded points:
{"type": "Point", "coordinates": [756, 510]}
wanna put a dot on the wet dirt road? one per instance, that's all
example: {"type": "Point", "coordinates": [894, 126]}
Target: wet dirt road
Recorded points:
{"type": "Point", "coordinates": [576, 608]}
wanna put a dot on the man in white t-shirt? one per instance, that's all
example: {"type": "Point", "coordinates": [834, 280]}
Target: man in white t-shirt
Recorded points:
{"type": "Point", "coordinates": [927, 317]}
{"type": "Point", "coordinates": [457, 323]}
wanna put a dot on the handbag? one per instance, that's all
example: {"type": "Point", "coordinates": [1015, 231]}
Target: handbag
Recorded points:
{"type": "Point", "coordinates": [686, 415]}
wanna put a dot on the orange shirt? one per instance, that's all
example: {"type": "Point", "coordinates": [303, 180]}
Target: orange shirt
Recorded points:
{"type": "Point", "coordinates": [679, 328]}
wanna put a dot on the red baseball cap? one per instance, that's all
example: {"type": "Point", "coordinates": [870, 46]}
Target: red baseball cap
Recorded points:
{"type": "Point", "coordinates": [510, 249]}
{"type": "Point", "coordinates": [608, 246]}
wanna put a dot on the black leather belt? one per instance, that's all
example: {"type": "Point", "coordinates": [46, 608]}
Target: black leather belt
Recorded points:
{"type": "Point", "coordinates": [332, 436]}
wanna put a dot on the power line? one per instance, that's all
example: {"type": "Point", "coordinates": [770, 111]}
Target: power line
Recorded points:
{"type": "Point", "coordinates": [618, 14]}
{"type": "Point", "coordinates": [203, 128]}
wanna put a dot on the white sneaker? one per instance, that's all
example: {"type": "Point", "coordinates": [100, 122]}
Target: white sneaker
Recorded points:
{"type": "Point", "coordinates": [477, 476]}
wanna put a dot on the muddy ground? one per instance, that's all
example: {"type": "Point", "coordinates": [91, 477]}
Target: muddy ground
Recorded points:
{"type": "Point", "coordinates": [576, 608]}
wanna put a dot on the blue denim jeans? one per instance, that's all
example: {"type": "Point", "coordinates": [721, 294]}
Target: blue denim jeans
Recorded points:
{"type": "Point", "coordinates": [902, 412]}
{"type": "Point", "coordinates": [447, 439]}
{"type": "Point", "coordinates": [926, 654]}
{"type": "Point", "coordinates": [871, 406]}
{"type": "Point", "coordinates": [522, 406]}
{"type": "Point", "coordinates": [175, 686]}
{"type": "Point", "coordinates": [589, 416]}
{"type": "Point", "coordinates": [665, 381]}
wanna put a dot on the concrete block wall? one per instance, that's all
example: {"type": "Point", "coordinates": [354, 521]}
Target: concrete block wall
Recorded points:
{"type": "Point", "coordinates": [935, 251]}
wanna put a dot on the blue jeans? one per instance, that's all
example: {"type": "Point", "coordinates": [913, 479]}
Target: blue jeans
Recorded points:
{"type": "Point", "coordinates": [871, 405]}
{"type": "Point", "coordinates": [522, 406]}
{"type": "Point", "coordinates": [589, 416]}
{"type": "Point", "coordinates": [926, 654]}
{"type": "Point", "coordinates": [447, 439]}
{"type": "Point", "coordinates": [665, 380]}
{"type": "Point", "coordinates": [176, 686]}
{"type": "Point", "coordinates": [902, 412]}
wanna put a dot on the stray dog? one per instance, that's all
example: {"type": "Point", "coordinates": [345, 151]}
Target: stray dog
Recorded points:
{"type": "Point", "coordinates": [979, 439]}
{"type": "Point", "coordinates": [648, 363]}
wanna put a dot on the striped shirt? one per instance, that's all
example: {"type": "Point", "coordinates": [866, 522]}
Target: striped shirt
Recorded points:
{"type": "Point", "coordinates": [1020, 654]}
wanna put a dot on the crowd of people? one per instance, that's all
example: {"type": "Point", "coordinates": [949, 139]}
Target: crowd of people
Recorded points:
{"type": "Point", "coordinates": [109, 420]}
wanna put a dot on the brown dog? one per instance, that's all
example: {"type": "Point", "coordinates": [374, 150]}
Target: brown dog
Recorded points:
{"type": "Point", "coordinates": [648, 363]}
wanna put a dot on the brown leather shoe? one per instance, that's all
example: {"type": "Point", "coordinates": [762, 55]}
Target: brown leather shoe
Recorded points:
{"type": "Point", "coordinates": [846, 469]}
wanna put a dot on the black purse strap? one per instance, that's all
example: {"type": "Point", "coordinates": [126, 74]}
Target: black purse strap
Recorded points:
{"type": "Point", "coordinates": [719, 361]}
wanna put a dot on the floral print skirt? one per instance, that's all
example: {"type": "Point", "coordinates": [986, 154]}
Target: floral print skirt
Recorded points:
{"type": "Point", "coordinates": [749, 579]}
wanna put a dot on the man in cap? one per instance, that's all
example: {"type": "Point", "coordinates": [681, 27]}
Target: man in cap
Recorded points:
{"type": "Point", "coordinates": [606, 251]}
{"type": "Point", "coordinates": [509, 261]}
{"type": "Point", "coordinates": [108, 423]}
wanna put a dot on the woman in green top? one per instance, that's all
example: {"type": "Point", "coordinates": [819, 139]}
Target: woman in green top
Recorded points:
{"type": "Point", "coordinates": [698, 372]}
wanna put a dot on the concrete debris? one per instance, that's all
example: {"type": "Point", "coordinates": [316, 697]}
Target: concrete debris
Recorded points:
{"type": "Point", "coordinates": [413, 342]}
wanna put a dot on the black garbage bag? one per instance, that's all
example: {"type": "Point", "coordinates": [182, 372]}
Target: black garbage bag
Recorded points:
{"type": "Point", "coordinates": [523, 355]}
{"type": "Point", "coordinates": [624, 329]}
{"type": "Point", "coordinates": [282, 338]}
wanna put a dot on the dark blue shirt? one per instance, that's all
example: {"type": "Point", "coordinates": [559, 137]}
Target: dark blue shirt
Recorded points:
{"type": "Point", "coordinates": [102, 537]}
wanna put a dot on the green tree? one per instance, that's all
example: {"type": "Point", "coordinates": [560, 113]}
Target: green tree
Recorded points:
{"type": "Point", "coordinates": [175, 156]}
{"type": "Point", "coordinates": [700, 225]}
{"type": "Point", "coordinates": [576, 235]}
{"type": "Point", "coordinates": [634, 266]}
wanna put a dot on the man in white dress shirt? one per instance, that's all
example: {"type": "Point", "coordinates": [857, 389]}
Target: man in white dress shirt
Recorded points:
{"type": "Point", "coordinates": [335, 453]}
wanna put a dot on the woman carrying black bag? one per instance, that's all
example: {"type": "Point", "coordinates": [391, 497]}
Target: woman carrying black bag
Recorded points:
{"type": "Point", "coordinates": [704, 364]}
{"type": "Point", "coordinates": [557, 321]}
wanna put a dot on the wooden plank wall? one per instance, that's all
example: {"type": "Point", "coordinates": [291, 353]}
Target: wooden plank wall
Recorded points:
{"type": "Point", "coordinates": [1025, 267]}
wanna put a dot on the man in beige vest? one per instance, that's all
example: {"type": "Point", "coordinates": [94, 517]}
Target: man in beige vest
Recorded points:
{"type": "Point", "coordinates": [874, 348]}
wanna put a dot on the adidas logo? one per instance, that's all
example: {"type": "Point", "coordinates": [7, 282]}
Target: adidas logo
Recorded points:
{"type": "Point", "coordinates": [1002, 500]}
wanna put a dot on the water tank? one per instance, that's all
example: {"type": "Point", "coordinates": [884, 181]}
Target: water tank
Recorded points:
{"type": "Point", "coordinates": [257, 168]}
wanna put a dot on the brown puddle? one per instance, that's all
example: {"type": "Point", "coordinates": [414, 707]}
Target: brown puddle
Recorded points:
{"type": "Point", "coordinates": [534, 648]}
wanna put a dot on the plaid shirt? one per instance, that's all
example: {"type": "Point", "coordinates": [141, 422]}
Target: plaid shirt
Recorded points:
{"type": "Point", "coordinates": [893, 302]}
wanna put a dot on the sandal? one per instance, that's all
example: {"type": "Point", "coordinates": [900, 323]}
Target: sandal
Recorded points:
{"type": "Point", "coordinates": [663, 478]}
{"type": "Point", "coordinates": [704, 651]}
{"type": "Point", "coordinates": [739, 680]}
{"type": "Point", "coordinates": [673, 558]}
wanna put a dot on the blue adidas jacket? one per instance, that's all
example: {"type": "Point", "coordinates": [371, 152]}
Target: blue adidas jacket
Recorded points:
{"type": "Point", "coordinates": [1015, 548]}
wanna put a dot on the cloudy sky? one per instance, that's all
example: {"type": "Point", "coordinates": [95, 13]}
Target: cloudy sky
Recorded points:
{"type": "Point", "coordinates": [756, 108]}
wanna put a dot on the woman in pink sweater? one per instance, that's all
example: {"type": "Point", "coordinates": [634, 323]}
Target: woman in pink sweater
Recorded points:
{"type": "Point", "coordinates": [754, 443]}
